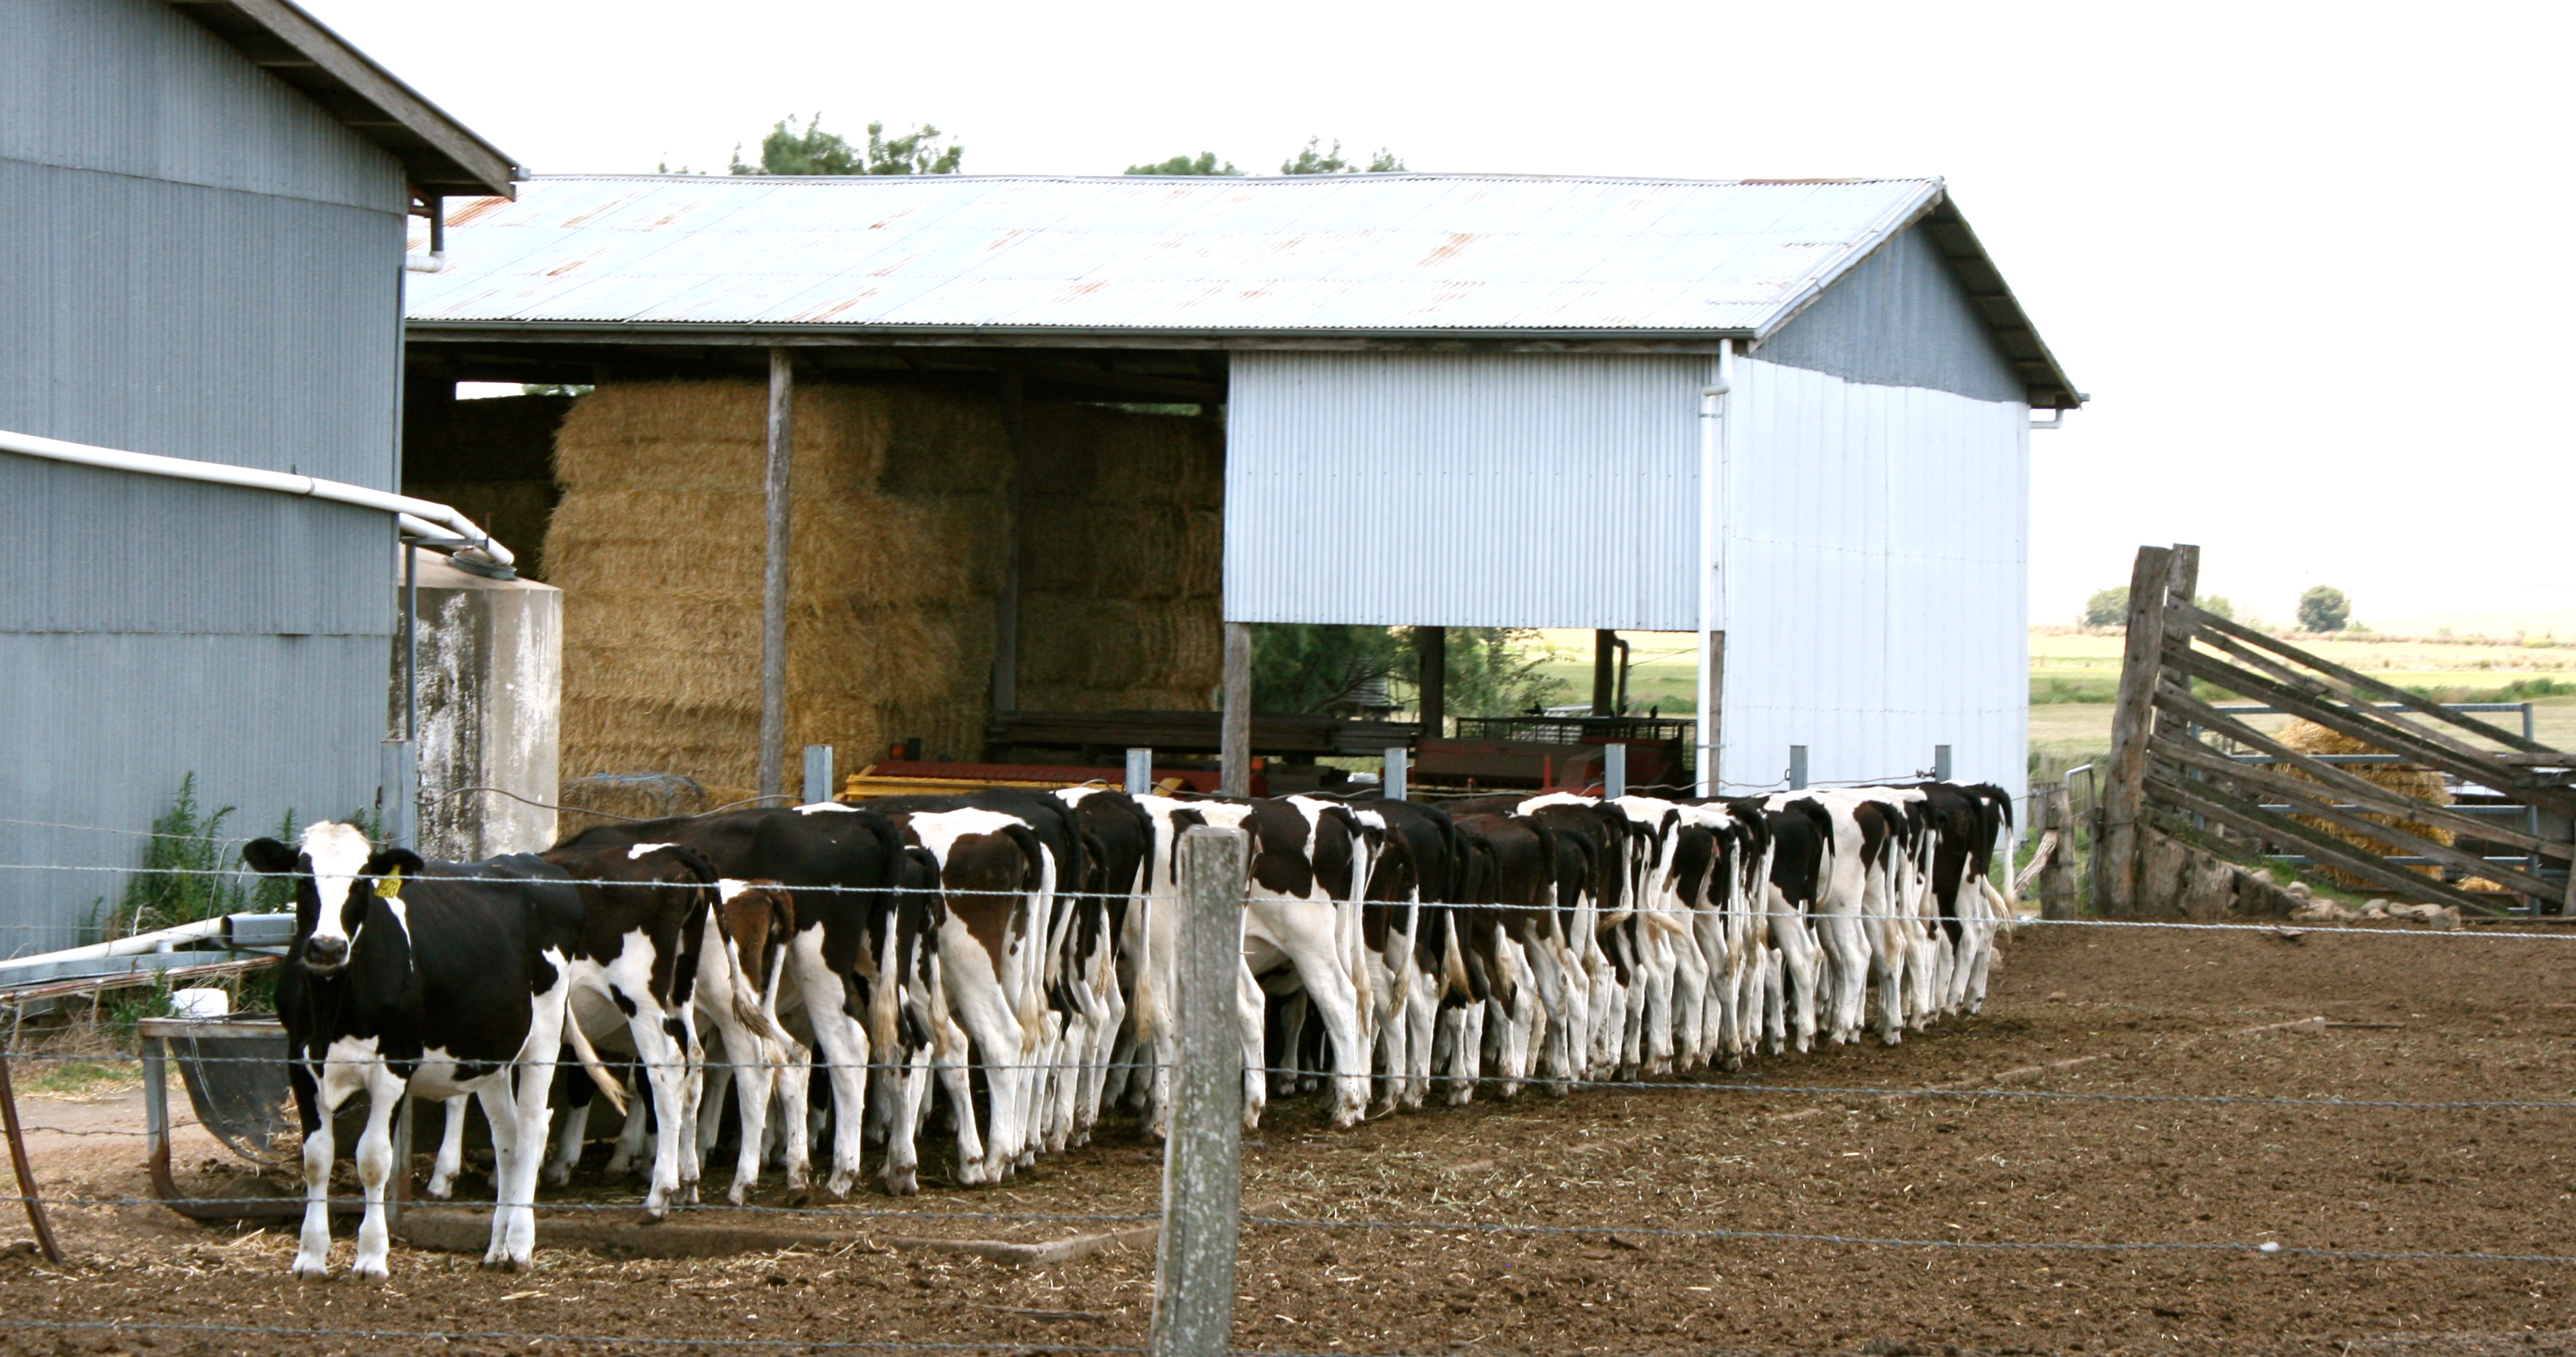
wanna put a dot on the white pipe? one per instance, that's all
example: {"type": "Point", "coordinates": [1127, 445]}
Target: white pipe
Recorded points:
{"type": "Point", "coordinates": [420, 517]}
{"type": "Point", "coordinates": [2056, 419]}
{"type": "Point", "coordinates": [1713, 462]}
{"type": "Point", "coordinates": [138, 945]}
{"type": "Point", "coordinates": [433, 262]}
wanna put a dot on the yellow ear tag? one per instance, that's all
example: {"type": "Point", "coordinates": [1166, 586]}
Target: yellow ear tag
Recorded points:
{"type": "Point", "coordinates": [389, 887]}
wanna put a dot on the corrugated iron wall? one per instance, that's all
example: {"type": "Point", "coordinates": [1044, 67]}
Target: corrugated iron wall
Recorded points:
{"type": "Point", "coordinates": [1877, 604]}
{"type": "Point", "coordinates": [1463, 490]}
{"type": "Point", "coordinates": [198, 262]}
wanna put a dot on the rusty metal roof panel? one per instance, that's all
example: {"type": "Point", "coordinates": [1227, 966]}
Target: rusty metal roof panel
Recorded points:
{"type": "Point", "coordinates": [1396, 252]}
{"type": "Point", "coordinates": [1263, 260]}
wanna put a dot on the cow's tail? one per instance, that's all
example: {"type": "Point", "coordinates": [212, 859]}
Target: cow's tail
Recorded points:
{"type": "Point", "coordinates": [751, 1007]}
{"type": "Point", "coordinates": [608, 1085]}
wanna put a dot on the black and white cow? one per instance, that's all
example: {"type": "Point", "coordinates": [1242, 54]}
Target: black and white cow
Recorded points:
{"type": "Point", "coordinates": [856, 960]}
{"type": "Point", "coordinates": [434, 979]}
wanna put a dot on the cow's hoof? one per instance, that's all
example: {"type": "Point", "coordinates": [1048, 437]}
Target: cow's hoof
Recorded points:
{"type": "Point", "coordinates": [740, 1191]}
{"type": "Point", "coordinates": [800, 1177]}
{"type": "Point", "coordinates": [838, 1185]}
{"type": "Point", "coordinates": [500, 1261]}
{"type": "Point", "coordinates": [311, 1269]}
{"type": "Point", "coordinates": [902, 1182]}
{"type": "Point", "coordinates": [369, 1270]}
{"type": "Point", "coordinates": [556, 1175]}
{"type": "Point", "coordinates": [439, 1188]}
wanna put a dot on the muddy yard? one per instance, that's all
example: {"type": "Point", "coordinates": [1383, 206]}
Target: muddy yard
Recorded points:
{"type": "Point", "coordinates": [1832, 1196]}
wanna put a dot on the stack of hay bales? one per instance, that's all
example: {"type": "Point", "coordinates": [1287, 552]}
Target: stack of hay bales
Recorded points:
{"type": "Point", "coordinates": [2406, 779]}
{"type": "Point", "coordinates": [1122, 517]}
{"type": "Point", "coordinates": [898, 550]}
{"type": "Point", "coordinates": [896, 539]}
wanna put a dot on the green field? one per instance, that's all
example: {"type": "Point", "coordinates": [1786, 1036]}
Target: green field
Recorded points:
{"type": "Point", "coordinates": [2074, 674]}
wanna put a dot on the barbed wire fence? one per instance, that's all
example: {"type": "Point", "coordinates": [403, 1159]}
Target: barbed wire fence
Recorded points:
{"type": "Point", "coordinates": [1198, 1233]}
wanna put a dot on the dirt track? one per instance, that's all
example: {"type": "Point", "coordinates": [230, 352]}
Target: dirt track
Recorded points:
{"type": "Point", "coordinates": [2414, 1018]}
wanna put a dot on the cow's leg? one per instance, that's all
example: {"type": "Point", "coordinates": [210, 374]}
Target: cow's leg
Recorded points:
{"type": "Point", "coordinates": [313, 1246]}
{"type": "Point", "coordinates": [950, 1051]}
{"type": "Point", "coordinates": [451, 1150]}
{"type": "Point", "coordinates": [633, 1136]}
{"type": "Point", "coordinates": [502, 1113]}
{"type": "Point", "coordinates": [794, 1132]}
{"type": "Point", "coordinates": [569, 1137]}
{"type": "Point", "coordinates": [843, 1044]}
{"type": "Point", "coordinates": [1422, 1020]}
{"type": "Point", "coordinates": [663, 1066]}
{"type": "Point", "coordinates": [1250, 1004]}
{"type": "Point", "coordinates": [903, 1155]}
{"type": "Point", "coordinates": [693, 1084]}
{"type": "Point", "coordinates": [754, 1082]}
{"type": "Point", "coordinates": [718, 1086]}
{"type": "Point", "coordinates": [385, 1092]}
{"type": "Point", "coordinates": [997, 1037]}
{"type": "Point", "coordinates": [1288, 1074]}
{"type": "Point", "coordinates": [515, 1213]}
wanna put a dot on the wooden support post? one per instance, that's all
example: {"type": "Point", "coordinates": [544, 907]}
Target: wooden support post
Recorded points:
{"type": "Point", "coordinates": [2124, 791]}
{"type": "Point", "coordinates": [773, 580]}
{"type": "Point", "coordinates": [1605, 673]}
{"type": "Point", "coordinates": [1203, 1158]}
{"type": "Point", "coordinates": [1234, 727]}
{"type": "Point", "coordinates": [2057, 880]}
{"type": "Point", "coordinates": [1431, 645]}
{"type": "Point", "coordinates": [1707, 723]}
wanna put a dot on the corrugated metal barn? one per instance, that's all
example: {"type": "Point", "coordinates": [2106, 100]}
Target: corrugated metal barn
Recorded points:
{"type": "Point", "coordinates": [201, 256]}
{"type": "Point", "coordinates": [1790, 416]}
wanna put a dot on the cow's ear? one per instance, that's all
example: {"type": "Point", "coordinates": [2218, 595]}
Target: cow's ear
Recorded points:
{"type": "Point", "coordinates": [269, 856]}
{"type": "Point", "coordinates": [390, 860]}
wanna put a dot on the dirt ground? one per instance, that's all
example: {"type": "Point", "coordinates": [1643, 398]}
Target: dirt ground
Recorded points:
{"type": "Point", "coordinates": [2410, 1016]}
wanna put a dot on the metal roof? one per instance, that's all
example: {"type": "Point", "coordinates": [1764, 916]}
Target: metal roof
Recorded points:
{"type": "Point", "coordinates": [439, 155]}
{"type": "Point", "coordinates": [1244, 261]}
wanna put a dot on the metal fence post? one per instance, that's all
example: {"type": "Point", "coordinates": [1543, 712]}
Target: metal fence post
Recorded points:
{"type": "Point", "coordinates": [818, 773]}
{"type": "Point", "coordinates": [1393, 786]}
{"type": "Point", "coordinates": [1797, 767]}
{"type": "Point", "coordinates": [1203, 1158]}
{"type": "Point", "coordinates": [1140, 771]}
{"type": "Point", "coordinates": [1614, 769]}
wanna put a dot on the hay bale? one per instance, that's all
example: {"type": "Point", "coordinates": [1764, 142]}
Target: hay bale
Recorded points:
{"type": "Point", "coordinates": [2406, 779]}
{"type": "Point", "coordinates": [1121, 520]}
{"type": "Point", "coordinates": [896, 539]}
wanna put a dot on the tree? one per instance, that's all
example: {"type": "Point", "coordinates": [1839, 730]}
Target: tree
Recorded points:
{"type": "Point", "coordinates": [812, 150]}
{"type": "Point", "coordinates": [1488, 674]}
{"type": "Point", "coordinates": [2219, 605]}
{"type": "Point", "coordinates": [2108, 608]}
{"type": "Point", "coordinates": [1313, 161]}
{"type": "Point", "coordinates": [1205, 163]}
{"type": "Point", "coordinates": [2324, 608]}
{"type": "Point", "coordinates": [1305, 669]}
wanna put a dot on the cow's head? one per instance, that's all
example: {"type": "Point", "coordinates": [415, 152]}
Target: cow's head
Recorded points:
{"type": "Point", "coordinates": [335, 871]}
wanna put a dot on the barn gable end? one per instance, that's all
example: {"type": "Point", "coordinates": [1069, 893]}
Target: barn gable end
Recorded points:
{"type": "Point", "coordinates": [1901, 317]}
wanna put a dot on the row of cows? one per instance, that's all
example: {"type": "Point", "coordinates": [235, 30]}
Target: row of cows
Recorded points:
{"type": "Point", "coordinates": [1006, 956]}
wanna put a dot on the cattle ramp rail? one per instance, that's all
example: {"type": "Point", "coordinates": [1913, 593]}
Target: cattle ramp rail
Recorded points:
{"type": "Point", "coordinates": [2188, 774]}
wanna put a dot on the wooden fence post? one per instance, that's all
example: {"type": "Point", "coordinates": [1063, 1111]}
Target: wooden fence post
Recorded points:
{"type": "Point", "coordinates": [2057, 878]}
{"type": "Point", "coordinates": [2133, 719]}
{"type": "Point", "coordinates": [1203, 1158]}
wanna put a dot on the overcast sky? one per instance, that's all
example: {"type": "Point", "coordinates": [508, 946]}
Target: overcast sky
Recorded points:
{"type": "Point", "coordinates": [2310, 261]}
